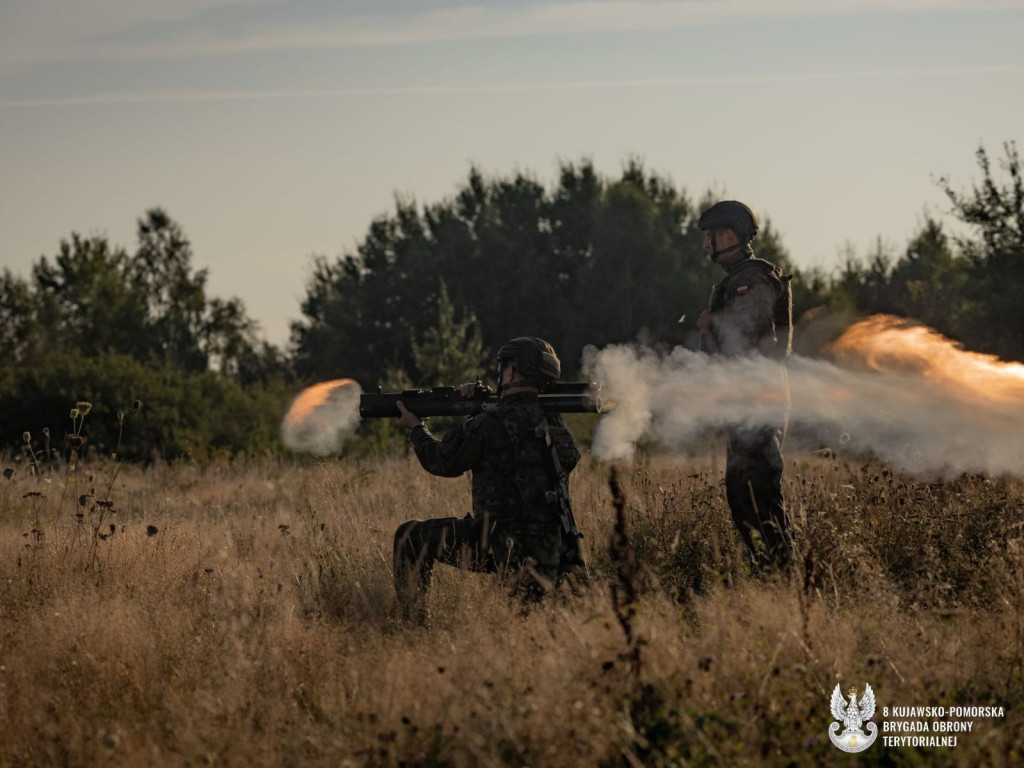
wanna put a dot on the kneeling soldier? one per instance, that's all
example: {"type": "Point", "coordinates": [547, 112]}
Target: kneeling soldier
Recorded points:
{"type": "Point", "coordinates": [521, 526]}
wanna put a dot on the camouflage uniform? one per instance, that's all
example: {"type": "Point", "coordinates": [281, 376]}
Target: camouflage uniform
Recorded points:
{"type": "Point", "coordinates": [752, 309]}
{"type": "Point", "coordinates": [513, 530]}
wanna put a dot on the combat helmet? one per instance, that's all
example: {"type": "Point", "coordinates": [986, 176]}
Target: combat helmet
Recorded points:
{"type": "Point", "coordinates": [533, 358]}
{"type": "Point", "coordinates": [730, 214]}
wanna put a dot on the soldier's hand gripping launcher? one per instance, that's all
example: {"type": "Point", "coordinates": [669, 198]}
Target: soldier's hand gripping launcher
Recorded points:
{"type": "Point", "coordinates": [568, 397]}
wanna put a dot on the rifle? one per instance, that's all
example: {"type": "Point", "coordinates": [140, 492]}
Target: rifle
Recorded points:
{"type": "Point", "coordinates": [568, 397]}
{"type": "Point", "coordinates": [572, 546]}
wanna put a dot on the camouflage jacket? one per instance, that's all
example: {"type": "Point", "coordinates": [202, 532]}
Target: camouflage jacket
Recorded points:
{"type": "Point", "coordinates": [753, 310]}
{"type": "Point", "coordinates": [509, 481]}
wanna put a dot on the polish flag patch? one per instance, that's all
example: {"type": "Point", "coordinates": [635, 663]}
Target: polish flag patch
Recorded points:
{"type": "Point", "coordinates": [742, 290]}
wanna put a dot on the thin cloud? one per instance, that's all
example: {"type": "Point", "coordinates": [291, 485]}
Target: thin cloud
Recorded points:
{"type": "Point", "coordinates": [33, 31]}
{"type": "Point", "coordinates": [94, 41]}
{"type": "Point", "coordinates": [163, 97]}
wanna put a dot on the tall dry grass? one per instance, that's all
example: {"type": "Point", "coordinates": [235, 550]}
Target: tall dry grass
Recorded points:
{"type": "Point", "coordinates": [241, 614]}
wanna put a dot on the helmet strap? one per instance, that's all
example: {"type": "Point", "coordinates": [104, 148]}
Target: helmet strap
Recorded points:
{"type": "Point", "coordinates": [501, 375]}
{"type": "Point", "coordinates": [715, 253]}
{"type": "Point", "coordinates": [515, 383]}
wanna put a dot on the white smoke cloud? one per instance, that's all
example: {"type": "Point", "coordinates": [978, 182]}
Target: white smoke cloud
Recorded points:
{"type": "Point", "coordinates": [917, 424]}
{"type": "Point", "coordinates": [322, 418]}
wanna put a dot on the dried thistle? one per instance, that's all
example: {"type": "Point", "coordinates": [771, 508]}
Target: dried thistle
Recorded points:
{"type": "Point", "coordinates": [26, 436]}
{"type": "Point", "coordinates": [83, 407]}
{"type": "Point", "coordinates": [10, 472]}
{"type": "Point", "coordinates": [75, 441]}
{"type": "Point", "coordinates": [626, 592]}
{"type": "Point", "coordinates": [152, 530]}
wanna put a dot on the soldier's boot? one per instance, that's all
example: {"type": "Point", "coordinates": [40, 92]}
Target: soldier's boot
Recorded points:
{"type": "Point", "coordinates": [752, 542]}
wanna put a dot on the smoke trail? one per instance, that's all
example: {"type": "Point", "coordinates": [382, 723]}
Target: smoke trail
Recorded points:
{"type": "Point", "coordinates": [322, 417]}
{"type": "Point", "coordinates": [908, 419]}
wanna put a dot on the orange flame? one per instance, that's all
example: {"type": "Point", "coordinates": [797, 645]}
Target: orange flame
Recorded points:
{"type": "Point", "coordinates": [312, 398]}
{"type": "Point", "coordinates": [893, 345]}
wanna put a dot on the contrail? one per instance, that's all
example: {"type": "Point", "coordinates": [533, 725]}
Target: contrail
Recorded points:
{"type": "Point", "coordinates": [925, 424]}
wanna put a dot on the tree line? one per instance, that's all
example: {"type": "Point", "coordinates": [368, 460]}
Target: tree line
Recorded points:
{"type": "Point", "coordinates": [432, 291]}
{"type": "Point", "coordinates": [99, 324]}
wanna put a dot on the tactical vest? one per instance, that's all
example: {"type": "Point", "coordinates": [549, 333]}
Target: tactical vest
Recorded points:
{"type": "Point", "coordinates": [764, 272]}
{"type": "Point", "coordinates": [532, 476]}
{"type": "Point", "coordinates": [511, 479]}
{"type": "Point", "coordinates": [541, 475]}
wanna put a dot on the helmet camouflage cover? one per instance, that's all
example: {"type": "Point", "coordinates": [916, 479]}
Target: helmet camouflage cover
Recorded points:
{"type": "Point", "coordinates": [730, 214]}
{"type": "Point", "coordinates": [533, 358]}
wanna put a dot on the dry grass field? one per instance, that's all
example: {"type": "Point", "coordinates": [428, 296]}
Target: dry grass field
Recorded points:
{"type": "Point", "coordinates": [240, 614]}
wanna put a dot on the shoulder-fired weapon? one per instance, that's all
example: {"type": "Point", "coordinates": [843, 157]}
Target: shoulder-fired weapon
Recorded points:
{"type": "Point", "coordinates": [567, 397]}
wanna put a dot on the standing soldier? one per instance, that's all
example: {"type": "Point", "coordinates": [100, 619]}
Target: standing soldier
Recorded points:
{"type": "Point", "coordinates": [520, 458]}
{"type": "Point", "coordinates": [750, 312]}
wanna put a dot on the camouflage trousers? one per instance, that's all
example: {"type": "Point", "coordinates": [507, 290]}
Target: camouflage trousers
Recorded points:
{"type": "Point", "coordinates": [526, 556]}
{"type": "Point", "coordinates": [753, 487]}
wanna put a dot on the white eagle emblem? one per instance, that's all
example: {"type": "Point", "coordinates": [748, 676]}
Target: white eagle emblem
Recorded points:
{"type": "Point", "coordinates": [853, 715]}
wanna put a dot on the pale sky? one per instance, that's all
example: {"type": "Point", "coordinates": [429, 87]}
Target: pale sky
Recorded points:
{"type": "Point", "coordinates": [274, 130]}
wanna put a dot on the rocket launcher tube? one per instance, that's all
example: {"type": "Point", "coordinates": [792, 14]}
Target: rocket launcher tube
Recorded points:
{"type": "Point", "coordinates": [568, 397]}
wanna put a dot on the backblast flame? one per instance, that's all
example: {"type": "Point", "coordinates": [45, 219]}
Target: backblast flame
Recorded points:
{"type": "Point", "coordinates": [900, 391]}
{"type": "Point", "coordinates": [893, 345]}
{"type": "Point", "coordinates": [322, 417]}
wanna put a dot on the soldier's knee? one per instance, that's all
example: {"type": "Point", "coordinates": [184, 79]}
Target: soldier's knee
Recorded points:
{"type": "Point", "coordinates": [404, 536]}
{"type": "Point", "coordinates": [403, 531]}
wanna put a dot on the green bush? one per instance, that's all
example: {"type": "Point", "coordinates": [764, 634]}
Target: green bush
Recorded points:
{"type": "Point", "coordinates": [198, 415]}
